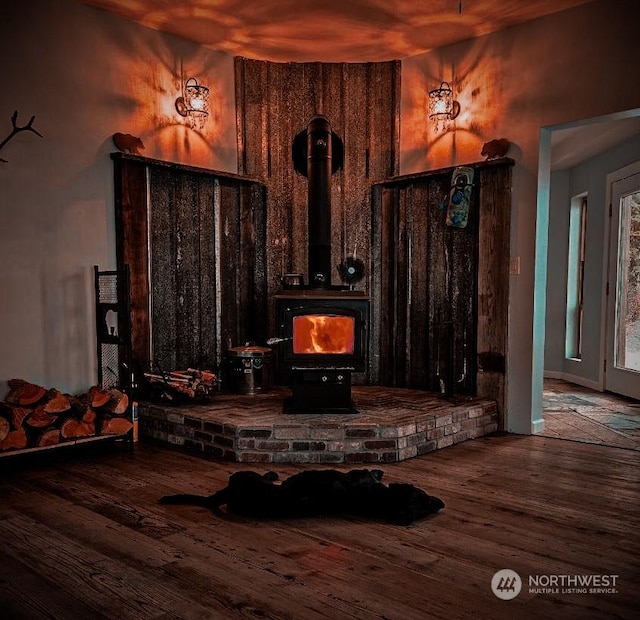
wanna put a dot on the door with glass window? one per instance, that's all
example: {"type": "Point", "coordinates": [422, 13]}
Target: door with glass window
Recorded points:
{"type": "Point", "coordinates": [622, 366]}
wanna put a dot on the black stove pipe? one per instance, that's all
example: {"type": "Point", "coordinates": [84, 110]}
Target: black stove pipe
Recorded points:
{"type": "Point", "coordinates": [319, 154]}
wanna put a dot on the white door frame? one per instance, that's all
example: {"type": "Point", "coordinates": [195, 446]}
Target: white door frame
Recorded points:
{"type": "Point", "coordinates": [612, 177]}
{"type": "Point", "coordinates": [540, 278]}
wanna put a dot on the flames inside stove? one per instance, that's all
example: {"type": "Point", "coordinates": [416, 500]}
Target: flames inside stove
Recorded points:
{"type": "Point", "coordinates": [322, 334]}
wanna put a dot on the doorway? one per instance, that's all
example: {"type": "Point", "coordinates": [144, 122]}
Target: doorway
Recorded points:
{"type": "Point", "coordinates": [565, 146]}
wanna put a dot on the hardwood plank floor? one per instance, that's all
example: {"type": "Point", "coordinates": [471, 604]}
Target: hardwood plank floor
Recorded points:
{"type": "Point", "coordinates": [84, 537]}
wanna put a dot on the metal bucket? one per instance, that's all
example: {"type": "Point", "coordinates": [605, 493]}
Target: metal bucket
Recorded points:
{"type": "Point", "coordinates": [248, 369]}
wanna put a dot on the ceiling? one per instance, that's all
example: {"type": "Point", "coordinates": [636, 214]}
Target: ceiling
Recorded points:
{"type": "Point", "coordinates": [358, 31]}
{"type": "Point", "coordinates": [329, 30]}
{"type": "Point", "coordinates": [574, 145]}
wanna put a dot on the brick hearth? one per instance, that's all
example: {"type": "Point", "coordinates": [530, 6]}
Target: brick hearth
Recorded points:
{"type": "Point", "coordinates": [393, 424]}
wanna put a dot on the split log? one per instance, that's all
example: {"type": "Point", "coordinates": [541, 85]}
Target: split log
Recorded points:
{"type": "Point", "coordinates": [81, 423]}
{"type": "Point", "coordinates": [15, 440]}
{"type": "Point", "coordinates": [22, 392]}
{"type": "Point", "coordinates": [89, 416]}
{"type": "Point", "coordinates": [182, 389]}
{"type": "Point", "coordinates": [98, 396]}
{"type": "Point", "coordinates": [39, 418]}
{"type": "Point", "coordinates": [79, 405]}
{"type": "Point", "coordinates": [119, 402]}
{"type": "Point", "coordinates": [5, 414]}
{"type": "Point", "coordinates": [191, 383]}
{"type": "Point", "coordinates": [72, 429]}
{"type": "Point", "coordinates": [57, 403]}
{"type": "Point", "coordinates": [18, 415]}
{"type": "Point", "coordinates": [49, 438]}
{"type": "Point", "coordinates": [207, 377]}
{"type": "Point", "coordinates": [116, 426]}
{"type": "Point", "coordinates": [33, 416]}
{"type": "Point", "coordinates": [5, 427]}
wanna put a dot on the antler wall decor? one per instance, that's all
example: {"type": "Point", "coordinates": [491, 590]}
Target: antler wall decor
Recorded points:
{"type": "Point", "coordinates": [17, 129]}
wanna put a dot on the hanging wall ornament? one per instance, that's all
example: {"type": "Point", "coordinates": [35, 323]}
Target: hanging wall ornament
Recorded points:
{"type": "Point", "coordinates": [459, 197]}
{"type": "Point", "coordinates": [17, 129]}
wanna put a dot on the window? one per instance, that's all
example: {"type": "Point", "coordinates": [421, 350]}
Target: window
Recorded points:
{"type": "Point", "coordinates": [575, 277]}
{"type": "Point", "coordinates": [627, 317]}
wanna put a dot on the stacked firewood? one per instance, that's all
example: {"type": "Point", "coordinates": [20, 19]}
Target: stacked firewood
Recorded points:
{"type": "Point", "coordinates": [182, 384]}
{"type": "Point", "coordinates": [32, 416]}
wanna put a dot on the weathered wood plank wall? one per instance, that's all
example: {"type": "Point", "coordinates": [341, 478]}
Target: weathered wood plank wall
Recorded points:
{"type": "Point", "coordinates": [439, 317]}
{"type": "Point", "coordinates": [132, 241]}
{"type": "Point", "coordinates": [275, 101]}
{"type": "Point", "coordinates": [194, 240]}
{"type": "Point", "coordinates": [211, 247]}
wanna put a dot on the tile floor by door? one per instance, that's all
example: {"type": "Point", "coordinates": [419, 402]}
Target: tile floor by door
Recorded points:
{"type": "Point", "coordinates": [576, 413]}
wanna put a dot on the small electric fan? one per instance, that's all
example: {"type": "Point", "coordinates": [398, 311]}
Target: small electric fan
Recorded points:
{"type": "Point", "coordinates": [351, 270]}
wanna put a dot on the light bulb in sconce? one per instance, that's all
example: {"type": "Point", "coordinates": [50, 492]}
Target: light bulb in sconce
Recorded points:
{"type": "Point", "coordinates": [442, 107]}
{"type": "Point", "coordinates": [194, 103]}
{"type": "Point", "coordinates": [198, 103]}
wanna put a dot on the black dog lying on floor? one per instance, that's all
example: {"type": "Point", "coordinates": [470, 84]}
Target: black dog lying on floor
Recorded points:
{"type": "Point", "coordinates": [359, 492]}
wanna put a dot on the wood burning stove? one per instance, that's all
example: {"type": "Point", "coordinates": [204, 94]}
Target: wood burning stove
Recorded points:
{"type": "Point", "coordinates": [323, 340]}
{"type": "Point", "coordinates": [323, 328]}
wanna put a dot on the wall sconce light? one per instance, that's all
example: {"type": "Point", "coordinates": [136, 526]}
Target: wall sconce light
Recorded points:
{"type": "Point", "coordinates": [442, 107]}
{"type": "Point", "coordinates": [194, 103]}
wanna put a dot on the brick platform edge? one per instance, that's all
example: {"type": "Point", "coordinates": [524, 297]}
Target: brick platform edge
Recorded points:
{"type": "Point", "coordinates": [253, 429]}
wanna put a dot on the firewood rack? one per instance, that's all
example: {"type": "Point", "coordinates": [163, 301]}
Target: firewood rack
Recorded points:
{"type": "Point", "coordinates": [113, 329]}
